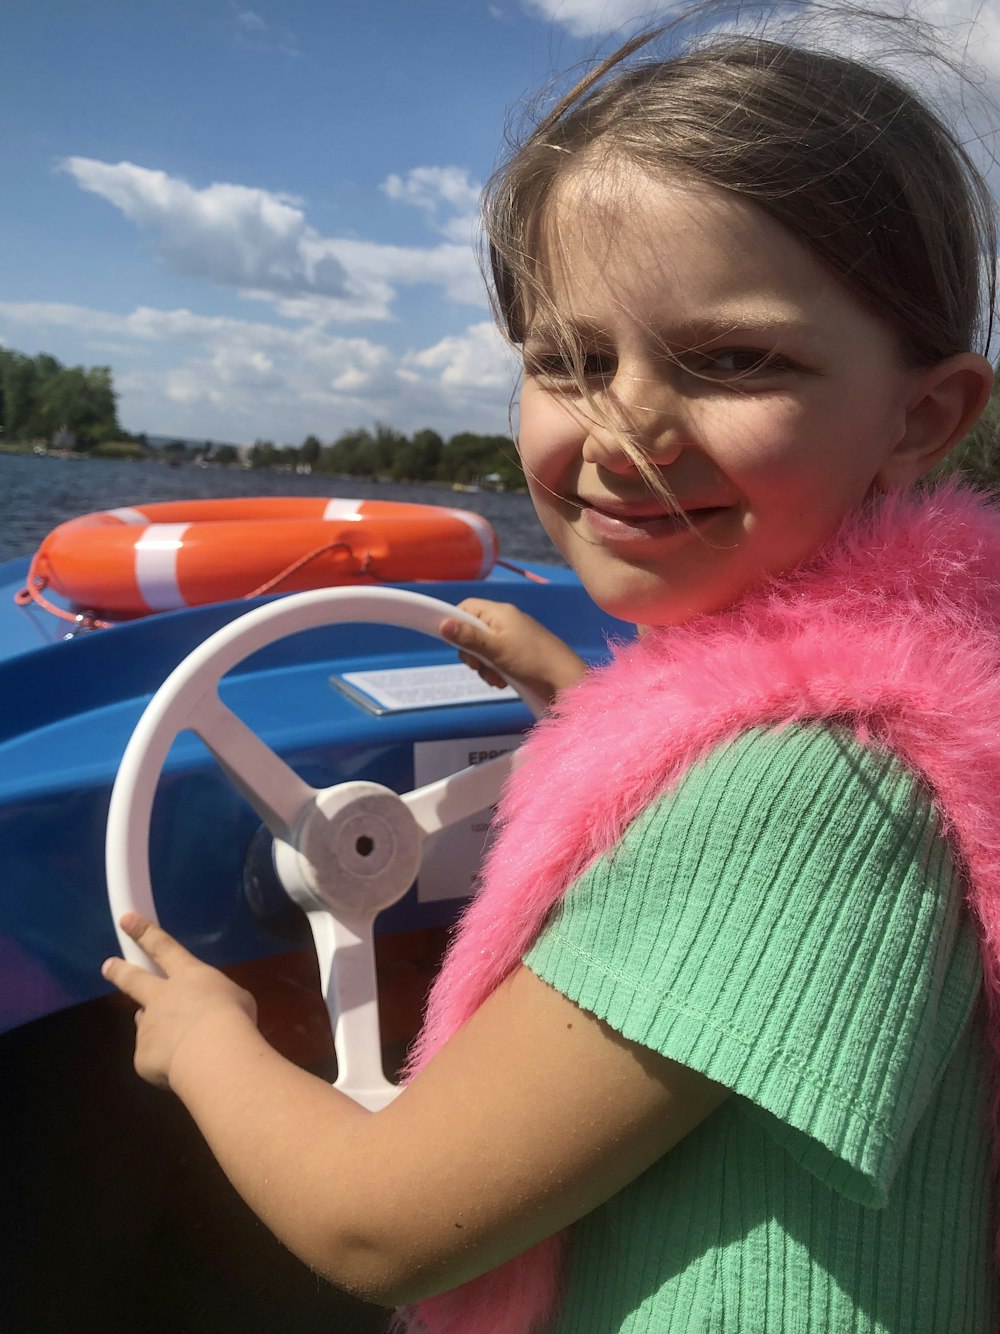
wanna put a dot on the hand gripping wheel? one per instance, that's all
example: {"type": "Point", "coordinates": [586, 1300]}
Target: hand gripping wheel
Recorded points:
{"type": "Point", "coordinates": [343, 853]}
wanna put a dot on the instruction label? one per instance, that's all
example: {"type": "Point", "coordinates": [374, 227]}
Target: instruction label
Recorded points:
{"type": "Point", "coordinates": [397, 689]}
{"type": "Point", "coordinates": [452, 857]}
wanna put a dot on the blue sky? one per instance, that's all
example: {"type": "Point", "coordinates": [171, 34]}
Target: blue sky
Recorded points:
{"type": "Point", "coordinates": [261, 215]}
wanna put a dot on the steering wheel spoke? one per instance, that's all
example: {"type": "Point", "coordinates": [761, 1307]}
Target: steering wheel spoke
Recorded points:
{"type": "Point", "coordinates": [450, 800]}
{"type": "Point", "coordinates": [346, 955]}
{"type": "Point", "coordinates": [275, 791]}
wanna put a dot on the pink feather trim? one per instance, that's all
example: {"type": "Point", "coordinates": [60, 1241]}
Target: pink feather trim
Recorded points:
{"type": "Point", "coordinates": [894, 628]}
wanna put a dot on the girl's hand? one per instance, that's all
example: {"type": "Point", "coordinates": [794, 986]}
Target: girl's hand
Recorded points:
{"type": "Point", "coordinates": [188, 999]}
{"type": "Point", "coordinates": [518, 645]}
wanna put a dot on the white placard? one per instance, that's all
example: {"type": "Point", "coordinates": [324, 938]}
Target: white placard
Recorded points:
{"type": "Point", "coordinates": [451, 858]}
{"type": "Point", "coordinates": [397, 689]}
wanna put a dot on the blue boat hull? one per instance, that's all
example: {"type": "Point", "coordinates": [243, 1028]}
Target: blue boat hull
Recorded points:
{"type": "Point", "coordinates": [116, 1215]}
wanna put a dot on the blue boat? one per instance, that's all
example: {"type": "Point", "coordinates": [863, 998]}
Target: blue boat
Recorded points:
{"type": "Point", "coordinates": [115, 1215]}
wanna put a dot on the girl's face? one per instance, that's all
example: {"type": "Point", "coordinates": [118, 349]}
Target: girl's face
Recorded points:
{"type": "Point", "coordinates": [768, 399]}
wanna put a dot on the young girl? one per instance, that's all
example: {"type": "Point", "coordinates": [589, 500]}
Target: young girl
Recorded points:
{"type": "Point", "coordinates": [710, 1051]}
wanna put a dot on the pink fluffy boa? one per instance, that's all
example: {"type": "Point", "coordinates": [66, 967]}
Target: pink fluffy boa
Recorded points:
{"type": "Point", "coordinates": [894, 627]}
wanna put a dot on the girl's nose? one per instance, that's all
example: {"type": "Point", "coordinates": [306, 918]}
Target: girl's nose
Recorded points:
{"type": "Point", "coordinates": [643, 413]}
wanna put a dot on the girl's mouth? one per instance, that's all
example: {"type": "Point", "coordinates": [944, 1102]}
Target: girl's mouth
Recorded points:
{"type": "Point", "coordinates": [625, 525]}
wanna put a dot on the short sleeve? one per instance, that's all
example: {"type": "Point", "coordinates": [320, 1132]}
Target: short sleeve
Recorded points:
{"type": "Point", "coordinates": [789, 922]}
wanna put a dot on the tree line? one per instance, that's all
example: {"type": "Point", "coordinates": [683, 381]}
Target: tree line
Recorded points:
{"type": "Point", "coordinates": [465, 458]}
{"type": "Point", "coordinates": [39, 397]}
{"type": "Point", "coordinates": [977, 458]}
{"type": "Point", "coordinates": [382, 452]}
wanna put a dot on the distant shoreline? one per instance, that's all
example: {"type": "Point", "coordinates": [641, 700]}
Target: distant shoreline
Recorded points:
{"type": "Point", "coordinates": [39, 492]}
{"type": "Point", "coordinates": [127, 452]}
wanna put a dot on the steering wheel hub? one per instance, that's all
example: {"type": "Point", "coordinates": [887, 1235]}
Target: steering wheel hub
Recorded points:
{"type": "Point", "coordinates": [358, 851]}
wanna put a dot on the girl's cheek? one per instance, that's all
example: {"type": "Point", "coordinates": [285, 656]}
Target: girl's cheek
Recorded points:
{"type": "Point", "coordinates": [550, 439]}
{"type": "Point", "coordinates": [764, 441]}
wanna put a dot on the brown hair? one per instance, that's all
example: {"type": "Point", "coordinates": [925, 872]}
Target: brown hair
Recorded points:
{"type": "Point", "coordinates": [844, 156]}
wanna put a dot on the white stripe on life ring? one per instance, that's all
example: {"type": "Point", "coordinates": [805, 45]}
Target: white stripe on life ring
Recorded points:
{"type": "Point", "coordinates": [156, 565]}
{"type": "Point", "coordinates": [128, 515]}
{"type": "Point", "coordinates": [342, 509]}
{"type": "Point", "coordinates": [485, 534]}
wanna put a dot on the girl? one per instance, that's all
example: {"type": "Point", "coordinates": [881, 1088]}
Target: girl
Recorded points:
{"type": "Point", "coordinates": [716, 1018]}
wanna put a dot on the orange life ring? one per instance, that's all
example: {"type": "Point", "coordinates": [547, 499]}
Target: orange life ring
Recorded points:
{"type": "Point", "coordinates": [128, 562]}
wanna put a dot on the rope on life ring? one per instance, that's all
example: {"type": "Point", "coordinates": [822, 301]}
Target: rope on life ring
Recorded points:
{"type": "Point", "coordinates": [525, 574]}
{"type": "Point", "coordinates": [128, 562]}
{"type": "Point", "coordinates": [36, 583]}
{"type": "Point", "coordinates": [33, 591]}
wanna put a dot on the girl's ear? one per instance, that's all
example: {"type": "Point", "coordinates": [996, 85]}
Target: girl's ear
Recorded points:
{"type": "Point", "coordinates": [947, 401]}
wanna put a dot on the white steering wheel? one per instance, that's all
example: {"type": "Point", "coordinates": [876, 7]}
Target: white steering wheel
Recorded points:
{"type": "Point", "coordinates": [343, 853]}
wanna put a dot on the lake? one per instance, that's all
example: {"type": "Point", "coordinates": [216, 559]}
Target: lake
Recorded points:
{"type": "Point", "coordinates": [37, 492]}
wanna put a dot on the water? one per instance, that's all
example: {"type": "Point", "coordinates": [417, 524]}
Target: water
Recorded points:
{"type": "Point", "coordinates": [36, 493]}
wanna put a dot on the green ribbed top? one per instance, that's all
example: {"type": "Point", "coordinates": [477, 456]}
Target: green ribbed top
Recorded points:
{"type": "Point", "coordinates": [790, 922]}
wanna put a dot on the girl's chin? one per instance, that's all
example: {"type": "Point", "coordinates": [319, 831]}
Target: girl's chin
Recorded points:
{"type": "Point", "coordinates": [648, 603]}
{"type": "Point", "coordinates": [644, 608]}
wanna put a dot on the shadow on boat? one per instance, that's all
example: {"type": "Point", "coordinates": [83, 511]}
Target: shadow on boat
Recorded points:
{"type": "Point", "coordinates": [124, 1221]}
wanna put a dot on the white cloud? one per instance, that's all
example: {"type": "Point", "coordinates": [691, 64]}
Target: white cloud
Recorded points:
{"type": "Point", "coordinates": [379, 267]}
{"type": "Point", "coordinates": [215, 376]}
{"type": "Point", "coordinates": [437, 190]}
{"type": "Point", "coordinates": [936, 33]}
{"type": "Point", "coordinates": [974, 25]}
{"type": "Point", "coordinates": [476, 361]}
{"type": "Point", "coordinates": [251, 22]}
{"type": "Point", "coordinates": [967, 30]}
{"type": "Point", "coordinates": [60, 315]}
{"type": "Point", "coordinates": [233, 235]}
{"type": "Point", "coordinates": [592, 18]}
{"type": "Point", "coordinates": [259, 242]}
{"type": "Point", "coordinates": [256, 34]}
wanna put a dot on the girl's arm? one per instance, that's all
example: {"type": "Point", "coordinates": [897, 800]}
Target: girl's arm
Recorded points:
{"type": "Point", "coordinates": [531, 1116]}
{"type": "Point", "coordinates": [518, 644]}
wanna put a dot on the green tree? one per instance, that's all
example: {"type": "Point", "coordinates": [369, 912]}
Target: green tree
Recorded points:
{"type": "Point", "coordinates": [418, 460]}
{"type": "Point", "coordinates": [19, 386]}
{"type": "Point", "coordinates": [387, 445]}
{"type": "Point", "coordinates": [263, 454]}
{"type": "Point", "coordinates": [469, 458]}
{"type": "Point", "coordinates": [309, 453]}
{"type": "Point", "coordinates": [38, 396]}
{"type": "Point", "coordinates": [353, 453]}
{"type": "Point", "coordinates": [976, 459]}
{"type": "Point", "coordinates": [81, 400]}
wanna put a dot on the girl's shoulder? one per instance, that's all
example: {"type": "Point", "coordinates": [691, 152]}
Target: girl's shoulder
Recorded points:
{"type": "Point", "coordinates": [817, 775]}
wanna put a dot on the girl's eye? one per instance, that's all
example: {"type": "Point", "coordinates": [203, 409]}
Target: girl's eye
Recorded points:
{"type": "Point", "coordinates": [559, 368]}
{"type": "Point", "coordinates": [736, 363]}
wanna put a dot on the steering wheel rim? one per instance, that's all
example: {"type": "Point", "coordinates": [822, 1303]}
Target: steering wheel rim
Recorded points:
{"type": "Point", "coordinates": [310, 826]}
